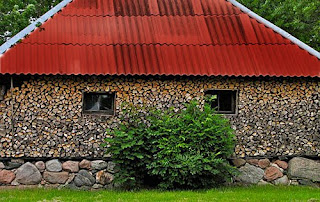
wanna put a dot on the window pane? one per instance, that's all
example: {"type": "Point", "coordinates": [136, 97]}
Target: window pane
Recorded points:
{"type": "Point", "coordinates": [106, 102]}
{"type": "Point", "coordinates": [101, 103]}
{"type": "Point", "coordinates": [91, 102]}
{"type": "Point", "coordinates": [225, 100]}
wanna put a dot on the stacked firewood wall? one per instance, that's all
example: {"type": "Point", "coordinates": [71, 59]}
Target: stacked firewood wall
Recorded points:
{"type": "Point", "coordinates": [276, 116]}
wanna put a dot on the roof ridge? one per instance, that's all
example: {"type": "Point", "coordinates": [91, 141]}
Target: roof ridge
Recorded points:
{"type": "Point", "coordinates": [274, 27]}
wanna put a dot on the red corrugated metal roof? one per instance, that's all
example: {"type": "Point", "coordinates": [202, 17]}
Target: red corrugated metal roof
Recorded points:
{"type": "Point", "coordinates": [157, 37]}
{"type": "Point", "coordinates": [149, 7]}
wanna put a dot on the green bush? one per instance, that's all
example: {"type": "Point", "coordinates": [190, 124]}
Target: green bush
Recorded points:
{"type": "Point", "coordinates": [169, 150]}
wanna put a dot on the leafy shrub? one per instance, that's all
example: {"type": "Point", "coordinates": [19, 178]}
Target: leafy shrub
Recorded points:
{"type": "Point", "coordinates": [171, 150]}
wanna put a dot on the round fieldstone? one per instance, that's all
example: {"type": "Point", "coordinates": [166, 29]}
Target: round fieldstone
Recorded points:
{"type": "Point", "coordinates": [99, 165]}
{"type": "Point", "coordinates": [111, 167]}
{"type": "Point", "coordinates": [40, 165]}
{"type": "Point", "coordinates": [28, 174]}
{"type": "Point", "coordinates": [272, 173]}
{"type": "Point", "coordinates": [13, 165]}
{"type": "Point", "coordinates": [281, 164]}
{"type": "Point", "coordinates": [71, 178]}
{"type": "Point", "coordinates": [282, 180]}
{"type": "Point", "coordinates": [53, 165]}
{"type": "Point", "coordinates": [263, 163]}
{"type": "Point", "coordinates": [262, 182]}
{"type": "Point", "coordinates": [303, 168]}
{"type": "Point", "coordinates": [20, 161]}
{"type": "Point", "coordinates": [307, 182]}
{"type": "Point", "coordinates": [2, 166]}
{"type": "Point", "coordinates": [103, 177]}
{"type": "Point", "coordinates": [6, 176]}
{"type": "Point", "coordinates": [250, 174]}
{"type": "Point", "coordinates": [238, 162]}
{"type": "Point", "coordinates": [275, 165]}
{"type": "Point", "coordinates": [15, 183]}
{"type": "Point", "coordinates": [56, 177]}
{"type": "Point", "coordinates": [85, 164]}
{"type": "Point", "coordinates": [84, 178]}
{"type": "Point", "coordinates": [71, 166]}
{"type": "Point", "coordinates": [254, 162]}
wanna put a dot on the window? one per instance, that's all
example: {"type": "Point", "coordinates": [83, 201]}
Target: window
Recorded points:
{"type": "Point", "coordinates": [99, 103]}
{"type": "Point", "coordinates": [2, 91]}
{"type": "Point", "coordinates": [225, 102]}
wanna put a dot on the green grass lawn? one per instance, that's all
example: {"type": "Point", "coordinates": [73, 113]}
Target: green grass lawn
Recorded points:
{"type": "Point", "coordinates": [262, 193]}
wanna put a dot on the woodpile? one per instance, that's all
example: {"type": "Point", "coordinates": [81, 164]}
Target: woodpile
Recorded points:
{"type": "Point", "coordinates": [275, 116]}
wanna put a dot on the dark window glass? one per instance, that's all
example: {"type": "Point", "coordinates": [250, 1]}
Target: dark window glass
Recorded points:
{"type": "Point", "coordinates": [100, 103]}
{"type": "Point", "coordinates": [225, 102]}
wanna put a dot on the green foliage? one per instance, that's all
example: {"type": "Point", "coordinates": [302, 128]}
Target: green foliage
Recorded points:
{"type": "Point", "coordinates": [301, 18]}
{"type": "Point", "coordinates": [15, 15]}
{"type": "Point", "coordinates": [168, 149]}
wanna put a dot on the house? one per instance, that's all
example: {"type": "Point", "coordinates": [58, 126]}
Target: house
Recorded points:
{"type": "Point", "coordinates": [63, 83]}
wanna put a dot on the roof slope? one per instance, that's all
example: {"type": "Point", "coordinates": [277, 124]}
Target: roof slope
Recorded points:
{"type": "Point", "coordinates": [157, 37]}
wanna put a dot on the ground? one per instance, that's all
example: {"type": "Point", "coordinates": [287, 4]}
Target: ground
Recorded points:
{"type": "Point", "coordinates": [262, 193]}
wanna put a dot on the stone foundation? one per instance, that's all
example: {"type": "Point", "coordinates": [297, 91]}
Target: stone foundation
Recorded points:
{"type": "Point", "coordinates": [294, 171]}
{"type": "Point", "coordinates": [275, 116]}
{"type": "Point", "coordinates": [84, 174]}
{"type": "Point", "coordinates": [99, 174]}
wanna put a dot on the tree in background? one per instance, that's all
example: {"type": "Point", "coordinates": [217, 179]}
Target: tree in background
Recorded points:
{"type": "Point", "coordinates": [301, 18]}
{"type": "Point", "coordinates": [15, 15]}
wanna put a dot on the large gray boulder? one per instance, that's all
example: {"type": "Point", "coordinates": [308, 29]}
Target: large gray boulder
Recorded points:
{"type": "Point", "coordinates": [99, 165]}
{"type": "Point", "coordinates": [84, 178]}
{"type": "Point", "coordinates": [250, 174]}
{"type": "Point", "coordinates": [28, 174]}
{"type": "Point", "coordinates": [302, 168]}
{"type": "Point", "coordinates": [54, 165]}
